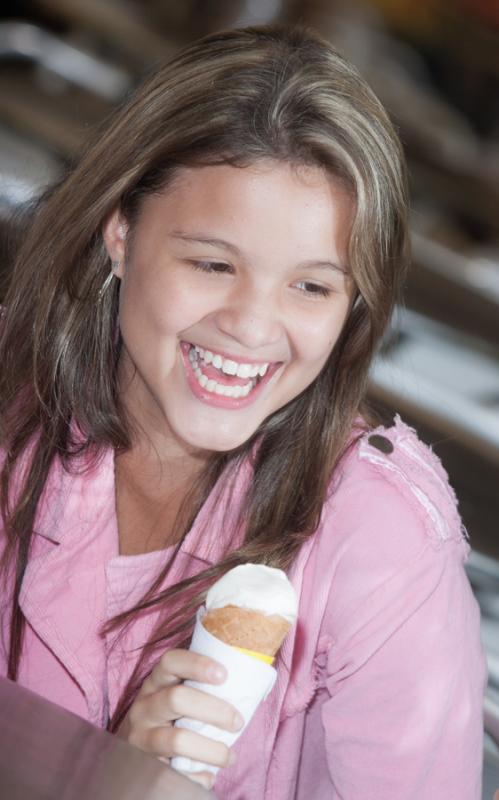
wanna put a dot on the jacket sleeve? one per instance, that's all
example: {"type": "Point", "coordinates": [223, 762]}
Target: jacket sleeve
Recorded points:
{"type": "Point", "coordinates": [405, 673]}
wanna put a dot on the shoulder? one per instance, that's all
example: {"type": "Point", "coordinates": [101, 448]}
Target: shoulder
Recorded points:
{"type": "Point", "coordinates": [391, 538]}
{"type": "Point", "coordinates": [391, 494]}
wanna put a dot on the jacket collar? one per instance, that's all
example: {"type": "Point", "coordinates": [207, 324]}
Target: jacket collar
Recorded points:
{"type": "Point", "coordinates": [92, 489]}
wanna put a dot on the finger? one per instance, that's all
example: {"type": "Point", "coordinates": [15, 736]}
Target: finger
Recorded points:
{"type": "Point", "coordinates": [180, 700]}
{"type": "Point", "coordinates": [169, 742]}
{"type": "Point", "coordinates": [206, 779]}
{"type": "Point", "coordinates": [177, 665]}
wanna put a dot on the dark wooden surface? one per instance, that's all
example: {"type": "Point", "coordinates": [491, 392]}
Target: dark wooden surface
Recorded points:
{"type": "Point", "coordinates": [47, 753]}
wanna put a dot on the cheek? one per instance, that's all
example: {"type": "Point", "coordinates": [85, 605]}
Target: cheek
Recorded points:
{"type": "Point", "coordinates": [158, 300]}
{"type": "Point", "coordinates": [316, 340]}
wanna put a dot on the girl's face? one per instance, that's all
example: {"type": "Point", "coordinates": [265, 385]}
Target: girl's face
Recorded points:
{"type": "Point", "coordinates": [233, 293]}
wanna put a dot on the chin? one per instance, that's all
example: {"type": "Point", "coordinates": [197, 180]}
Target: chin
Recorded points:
{"type": "Point", "coordinates": [219, 444]}
{"type": "Point", "coordinates": [213, 438]}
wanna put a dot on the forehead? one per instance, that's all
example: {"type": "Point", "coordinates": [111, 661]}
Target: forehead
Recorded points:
{"type": "Point", "coordinates": [269, 204]}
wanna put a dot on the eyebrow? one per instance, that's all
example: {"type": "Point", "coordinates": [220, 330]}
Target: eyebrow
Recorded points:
{"type": "Point", "coordinates": [209, 240]}
{"type": "Point", "coordinates": [200, 238]}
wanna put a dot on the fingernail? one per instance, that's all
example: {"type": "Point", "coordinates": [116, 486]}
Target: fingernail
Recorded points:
{"type": "Point", "coordinates": [217, 673]}
{"type": "Point", "coordinates": [238, 720]}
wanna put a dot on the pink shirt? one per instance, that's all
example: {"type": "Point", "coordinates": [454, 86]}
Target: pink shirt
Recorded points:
{"type": "Point", "coordinates": [380, 686]}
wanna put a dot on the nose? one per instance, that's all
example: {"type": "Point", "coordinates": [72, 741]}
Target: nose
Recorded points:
{"type": "Point", "coordinates": [251, 318]}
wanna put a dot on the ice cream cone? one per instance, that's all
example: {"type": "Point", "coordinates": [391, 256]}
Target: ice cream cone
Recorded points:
{"type": "Point", "coordinates": [248, 612]}
{"type": "Point", "coordinates": [247, 629]}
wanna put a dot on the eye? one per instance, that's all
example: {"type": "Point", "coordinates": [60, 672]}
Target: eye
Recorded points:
{"type": "Point", "coordinates": [313, 289]}
{"type": "Point", "coordinates": [211, 266]}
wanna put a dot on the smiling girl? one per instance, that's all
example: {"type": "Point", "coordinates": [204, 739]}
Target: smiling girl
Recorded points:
{"type": "Point", "coordinates": [185, 348]}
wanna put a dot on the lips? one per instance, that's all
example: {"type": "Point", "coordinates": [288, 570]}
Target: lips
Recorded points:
{"type": "Point", "coordinates": [222, 380]}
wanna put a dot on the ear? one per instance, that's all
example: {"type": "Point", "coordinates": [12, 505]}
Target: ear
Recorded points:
{"type": "Point", "coordinates": [114, 232]}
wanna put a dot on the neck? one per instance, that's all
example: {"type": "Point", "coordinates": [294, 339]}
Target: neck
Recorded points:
{"type": "Point", "coordinates": [150, 495]}
{"type": "Point", "coordinates": [157, 459]}
{"type": "Point", "coordinates": [154, 475]}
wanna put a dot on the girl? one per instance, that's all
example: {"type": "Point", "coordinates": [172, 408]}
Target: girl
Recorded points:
{"type": "Point", "coordinates": [185, 348]}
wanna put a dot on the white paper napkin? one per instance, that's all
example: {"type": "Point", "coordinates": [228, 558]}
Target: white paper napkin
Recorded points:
{"type": "Point", "coordinates": [248, 682]}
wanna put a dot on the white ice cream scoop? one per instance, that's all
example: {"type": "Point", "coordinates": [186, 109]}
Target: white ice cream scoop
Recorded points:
{"type": "Point", "coordinates": [256, 587]}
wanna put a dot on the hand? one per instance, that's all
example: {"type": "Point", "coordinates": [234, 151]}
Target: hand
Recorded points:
{"type": "Point", "coordinates": [496, 795]}
{"type": "Point", "coordinates": [163, 698]}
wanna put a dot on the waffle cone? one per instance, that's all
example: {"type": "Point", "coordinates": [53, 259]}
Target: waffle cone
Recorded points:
{"type": "Point", "coordinates": [242, 627]}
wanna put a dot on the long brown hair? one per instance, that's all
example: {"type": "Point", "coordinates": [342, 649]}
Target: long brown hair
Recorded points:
{"type": "Point", "coordinates": [234, 97]}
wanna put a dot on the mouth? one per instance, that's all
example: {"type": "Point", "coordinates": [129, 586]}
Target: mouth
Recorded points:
{"type": "Point", "coordinates": [224, 380]}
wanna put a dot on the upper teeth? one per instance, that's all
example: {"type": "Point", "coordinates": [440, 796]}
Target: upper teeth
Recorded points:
{"type": "Point", "coordinates": [230, 367]}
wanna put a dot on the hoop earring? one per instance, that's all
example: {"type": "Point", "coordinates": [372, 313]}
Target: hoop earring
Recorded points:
{"type": "Point", "coordinates": [102, 291]}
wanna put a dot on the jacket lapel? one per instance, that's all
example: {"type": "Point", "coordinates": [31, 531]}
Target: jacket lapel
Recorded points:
{"type": "Point", "coordinates": [63, 591]}
{"type": "Point", "coordinates": [293, 645]}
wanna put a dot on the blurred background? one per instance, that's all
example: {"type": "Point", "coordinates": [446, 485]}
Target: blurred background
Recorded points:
{"type": "Point", "coordinates": [64, 64]}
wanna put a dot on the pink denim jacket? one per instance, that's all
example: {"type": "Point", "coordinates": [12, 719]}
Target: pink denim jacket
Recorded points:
{"type": "Point", "coordinates": [380, 685]}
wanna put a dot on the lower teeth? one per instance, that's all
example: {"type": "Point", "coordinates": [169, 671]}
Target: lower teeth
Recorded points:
{"type": "Point", "coordinates": [213, 387]}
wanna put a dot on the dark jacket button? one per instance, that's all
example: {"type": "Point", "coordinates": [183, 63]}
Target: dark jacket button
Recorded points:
{"type": "Point", "coordinates": [381, 443]}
